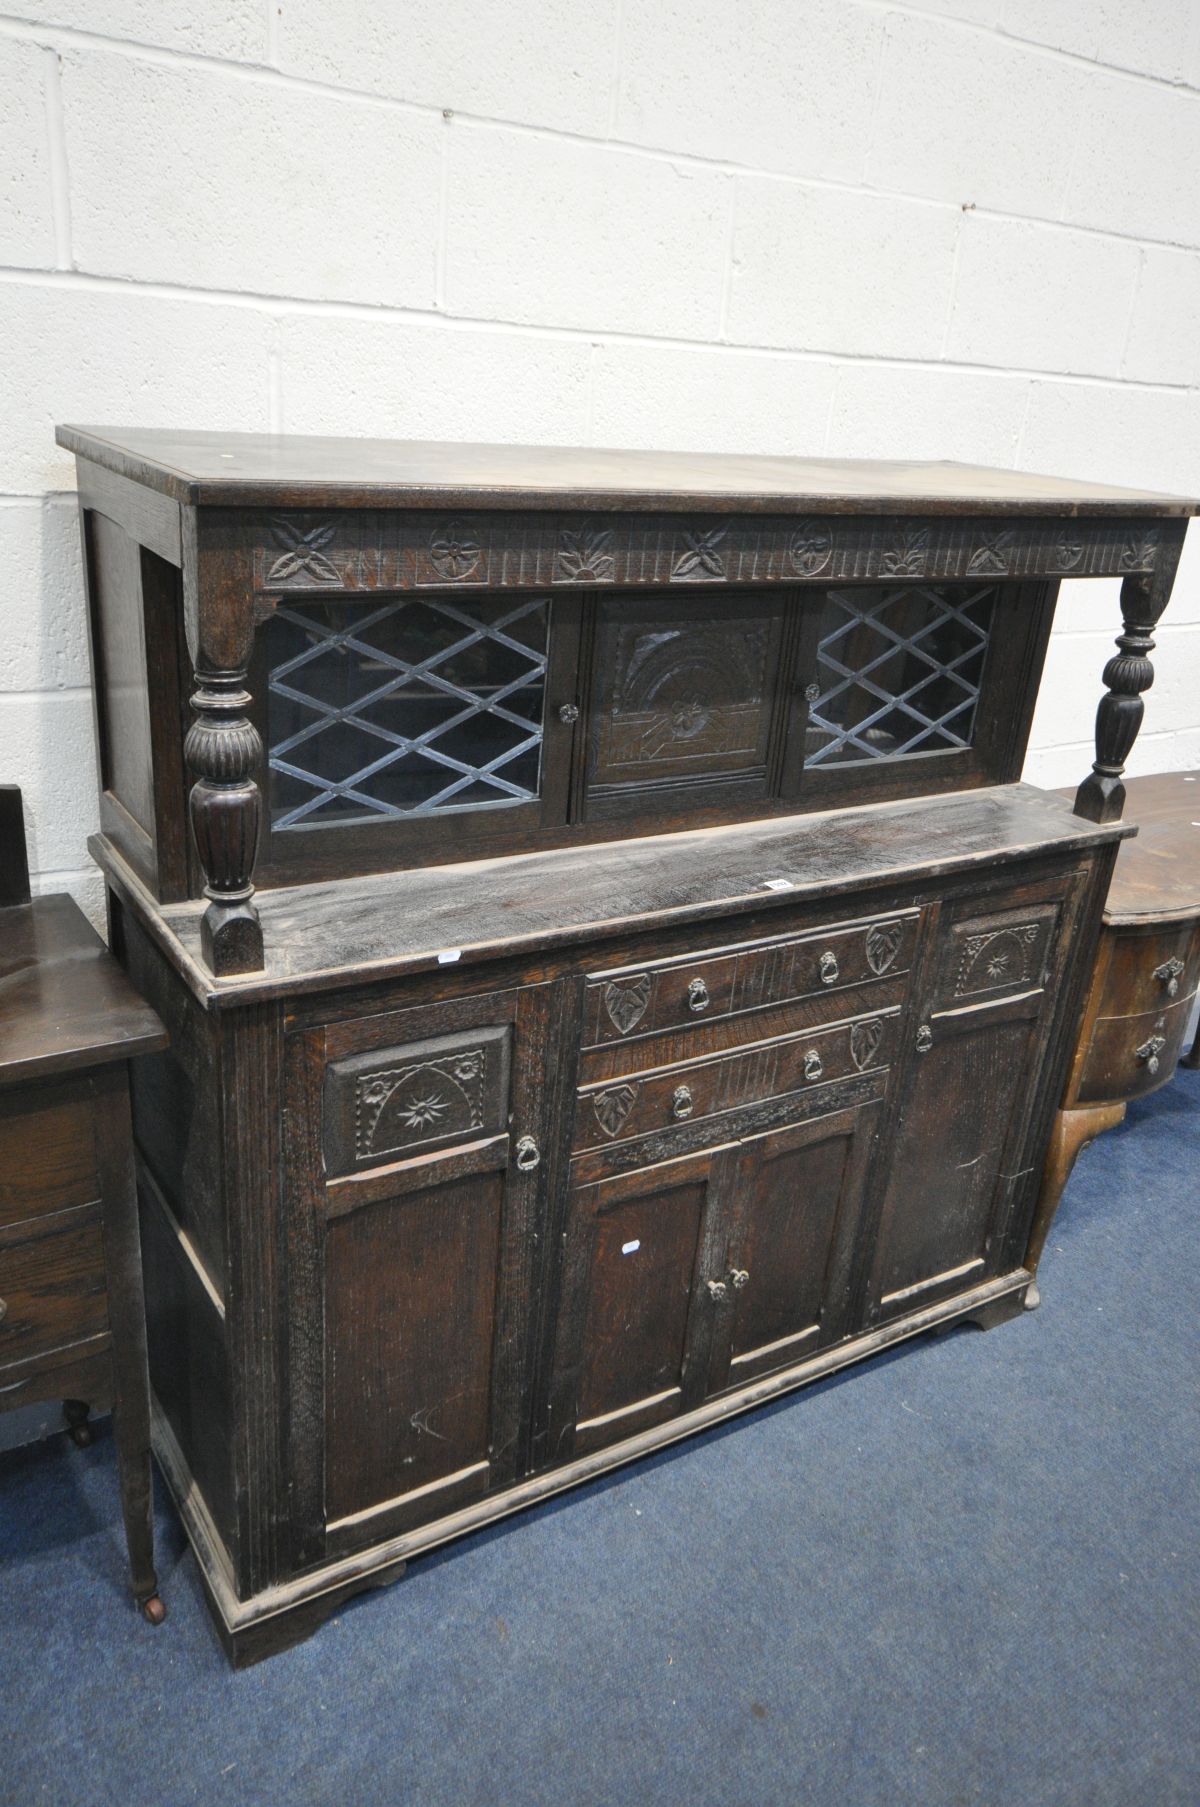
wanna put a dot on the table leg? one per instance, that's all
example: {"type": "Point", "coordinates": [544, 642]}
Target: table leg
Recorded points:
{"type": "Point", "coordinates": [127, 1318]}
{"type": "Point", "coordinates": [1072, 1132]}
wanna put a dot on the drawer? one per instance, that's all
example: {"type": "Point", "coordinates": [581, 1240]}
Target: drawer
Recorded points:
{"type": "Point", "coordinates": [633, 1001]}
{"type": "Point", "coordinates": [648, 1102]}
{"type": "Point", "coordinates": [47, 1153]}
{"type": "Point", "coordinates": [987, 957]}
{"type": "Point", "coordinates": [1150, 971]}
{"type": "Point", "coordinates": [1130, 1055]}
{"type": "Point", "coordinates": [52, 1285]}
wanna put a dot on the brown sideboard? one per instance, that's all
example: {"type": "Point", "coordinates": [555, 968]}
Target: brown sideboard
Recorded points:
{"type": "Point", "coordinates": [613, 970]}
{"type": "Point", "coordinates": [72, 1324]}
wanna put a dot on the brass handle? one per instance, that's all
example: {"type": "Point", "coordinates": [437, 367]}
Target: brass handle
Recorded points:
{"type": "Point", "coordinates": [812, 693]}
{"type": "Point", "coordinates": [1168, 974]}
{"type": "Point", "coordinates": [718, 1291]}
{"type": "Point", "coordinates": [698, 998]}
{"type": "Point", "coordinates": [569, 713]}
{"type": "Point", "coordinates": [528, 1154]}
{"type": "Point", "coordinates": [681, 1103]}
{"type": "Point", "coordinates": [1150, 1051]}
{"type": "Point", "coordinates": [738, 1277]}
{"type": "Point", "coordinates": [924, 1039]}
{"type": "Point", "coordinates": [813, 1067]}
{"type": "Point", "coordinates": [829, 967]}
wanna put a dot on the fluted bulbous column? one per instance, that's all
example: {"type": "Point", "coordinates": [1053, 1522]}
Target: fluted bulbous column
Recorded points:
{"type": "Point", "coordinates": [224, 753]}
{"type": "Point", "coordinates": [1101, 796]}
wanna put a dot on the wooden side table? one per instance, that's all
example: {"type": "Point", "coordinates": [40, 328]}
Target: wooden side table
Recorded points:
{"type": "Point", "coordinates": [72, 1321]}
{"type": "Point", "coordinates": [1144, 982]}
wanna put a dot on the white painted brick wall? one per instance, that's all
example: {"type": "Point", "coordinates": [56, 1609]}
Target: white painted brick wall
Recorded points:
{"type": "Point", "coordinates": [947, 229]}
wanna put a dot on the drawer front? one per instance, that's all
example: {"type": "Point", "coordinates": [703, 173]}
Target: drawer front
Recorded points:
{"type": "Point", "coordinates": [640, 1000]}
{"type": "Point", "coordinates": [640, 1105]}
{"type": "Point", "coordinates": [52, 1286]}
{"type": "Point", "coordinates": [1130, 1055]}
{"type": "Point", "coordinates": [1150, 971]}
{"type": "Point", "coordinates": [47, 1153]}
{"type": "Point", "coordinates": [392, 1103]}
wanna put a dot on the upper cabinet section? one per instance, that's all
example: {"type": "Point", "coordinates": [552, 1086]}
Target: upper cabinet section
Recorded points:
{"type": "Point", "coordinates": [347, 657]}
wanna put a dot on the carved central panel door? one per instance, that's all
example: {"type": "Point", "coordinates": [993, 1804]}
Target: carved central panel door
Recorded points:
{"type": "Point", "coordinates": [420, 1212]}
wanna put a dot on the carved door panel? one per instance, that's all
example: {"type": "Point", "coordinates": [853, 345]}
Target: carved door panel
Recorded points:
{"type": "Point", "coordinates": [643, 1278]}
{"type": "Point", "coordinates": [797, 1204]}
{"type": "Point", "coordinates": [955, 1165]}
{"type": "Point", "coordinates": [687, 700]}
{"type": "Point", "coordinates": [426, 1200]}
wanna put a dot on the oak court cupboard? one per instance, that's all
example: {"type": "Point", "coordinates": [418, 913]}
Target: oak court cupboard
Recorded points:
{"type": "Point", "coordinates": [613, 969]}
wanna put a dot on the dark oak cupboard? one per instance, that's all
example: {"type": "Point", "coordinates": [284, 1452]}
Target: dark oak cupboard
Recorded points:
{"type": "Point", "coordinates": [613, 970]}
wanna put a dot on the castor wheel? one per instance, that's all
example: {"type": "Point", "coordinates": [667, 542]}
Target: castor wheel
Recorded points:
{"type": "Point", "coordinates": [75, 1415]}
{"type": "Point", "coordinates": [154, 1610]}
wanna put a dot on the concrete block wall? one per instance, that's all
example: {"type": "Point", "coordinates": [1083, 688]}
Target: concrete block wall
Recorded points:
{"type": "Point", "coordinates": [960, 229]}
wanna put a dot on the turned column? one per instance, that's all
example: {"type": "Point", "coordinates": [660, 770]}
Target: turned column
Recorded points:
{"type": "Point", "coordinates": [223, 751]}
{"type": "Point", "coordinates": [1144, 596]}
{"type": "Point", "coordinates": [223, 748]}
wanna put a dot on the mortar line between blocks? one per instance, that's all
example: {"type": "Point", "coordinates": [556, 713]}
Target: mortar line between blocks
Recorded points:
{"type": "Point", "coordinates": [60, 180]}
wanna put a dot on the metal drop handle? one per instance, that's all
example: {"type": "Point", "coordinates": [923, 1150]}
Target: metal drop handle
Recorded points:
{"type": "Point", "coordinates": [813, 1066]}
{"type": "Point", "coordinates": [682, 1104]}
{"type": "Point", "coordinates": [829, 967]}
{"type": "Point", "coordinates": [528, 1154]}
{"type": "Point", "coordinates": [3, 1310]}
{"type": "Point", "coordinates": [569, 714]}
{"type": "Point", "coordinates": [924, 1039]}
{"type": "Point", "coordinates": [1168, 974]}
{"type": "Point", "coordinates": [1150, 1051]}
{"type": "Point", "coordinates": [738, 1277]}
{"type": "Point", "coordinates": [718, 1291]}
{"type": "Point", "coordinates": [698, 998]}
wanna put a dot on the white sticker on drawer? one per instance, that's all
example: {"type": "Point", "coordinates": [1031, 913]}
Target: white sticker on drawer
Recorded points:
{"type": "Point", "coordinates": [779, 884]}
{"type": "Point", "coordinates": [631, 1248]}
{"type": "Point", "coordinates": [450, 956]}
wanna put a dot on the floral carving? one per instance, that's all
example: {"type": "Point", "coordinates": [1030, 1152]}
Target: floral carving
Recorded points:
{"type": "Point", "coordinates": [1068, 550]}
{"type": "Point", "coordinates": [585, 554]}
{"type": "Point", "coordinates": [454, 552]}
{"type": "Point", "coordinates": [701, 554]}
{"type": "Point", "coordinates": [810, 548]}
{"type": "Point", "coordinates": [302, 555]}
{"type": "Point", "coordinates": [625, 1001]}
{"type": "Point", "coordinates": [883, 944]}
{"type": "Point", "coordinates": [864, 1042]}
{"type": "Point", "coordinates": [908, 556]}
{"type": "Point", "coordinates": [1001, 957]}
{"type": "Point", "coordinates": [1139, 552]}
{"type": "Point", "coordinates": [612, 1108]}
{"type": "Point", "coordinates": [992, 552]}
{"type": "Point", "coordinates": [407, 1105]}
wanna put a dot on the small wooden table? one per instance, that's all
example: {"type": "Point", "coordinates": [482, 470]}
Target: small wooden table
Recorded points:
{"type": "Point", "coordinates": [72, 1321]}
{"type": "Point", "coordinates": [1144, 982]}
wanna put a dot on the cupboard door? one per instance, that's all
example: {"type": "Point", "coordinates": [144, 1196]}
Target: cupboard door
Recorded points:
{"type": "Point", "coordinates": [644, 1269]}
{"type": "Point", "coordinates": [412, 1340]}
{"type": "Point", "coordinates": [798, 1202]}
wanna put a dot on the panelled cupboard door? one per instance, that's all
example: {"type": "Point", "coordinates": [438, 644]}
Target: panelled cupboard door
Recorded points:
{"type": "Point", "coordinates": [699, 1274]}
{"type": "Point", "coordinates": [426, 1215]}
{"type": "Point", "coordinates": [980, 1051]}
{"type": "Point", "coordinates": [644, 1253]}
{"type": "Point", "coordinates": [796, 1205]}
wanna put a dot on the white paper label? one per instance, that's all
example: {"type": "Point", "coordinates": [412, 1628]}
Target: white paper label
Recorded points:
{"type": "Point", "coordinates": [778, 884]}
{"type": "Point", "coordinates": [450, 956]}
{"type": "Point", "coordinates": [631, 1248]}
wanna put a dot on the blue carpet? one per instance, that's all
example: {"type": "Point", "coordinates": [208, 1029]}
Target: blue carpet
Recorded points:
{"type": "Point", "coordinates": [966, 1573]}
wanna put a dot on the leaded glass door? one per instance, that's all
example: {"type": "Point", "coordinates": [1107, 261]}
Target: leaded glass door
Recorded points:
{"type": "Point", "coordinates": [412, 722]}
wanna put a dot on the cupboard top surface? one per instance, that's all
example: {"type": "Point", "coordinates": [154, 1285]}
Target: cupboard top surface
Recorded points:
{"type": "Point", "coordinates": [321, 936]}
{"type": "Point", "coordinates": [290, 470]}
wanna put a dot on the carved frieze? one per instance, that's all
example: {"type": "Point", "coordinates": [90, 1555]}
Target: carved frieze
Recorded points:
{"type": "Point", "coordinates": [409, 549]}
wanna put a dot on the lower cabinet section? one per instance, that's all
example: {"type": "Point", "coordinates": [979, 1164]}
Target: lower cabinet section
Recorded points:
{"type": "Point", "coordinates": [529, 1225]}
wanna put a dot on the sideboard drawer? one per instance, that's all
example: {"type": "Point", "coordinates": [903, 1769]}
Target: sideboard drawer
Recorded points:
{"type": "Point", "coordinates": [1151, 971]}
{"type": "Point", "coordinates": [646, 1102]}
{"type": "Point", "coordinates": [664, 994]}
{"type": "Point", "coordinates": [47, 1154]}
{"type": "Point", "coordinates": [52, 1285]}
{"type": "Point", "coordinates": [392, 1103]}
{"type": "Point", "coordinates": [1130, 1055]}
